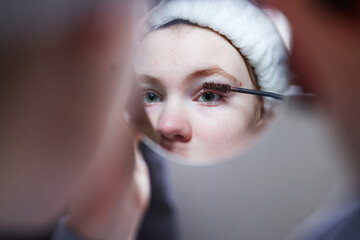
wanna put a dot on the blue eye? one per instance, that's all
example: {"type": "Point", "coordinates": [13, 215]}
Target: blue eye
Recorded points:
{"type": "Point", "coordinates": [151, 97]}
{"type": "Point", "coordinates": [208, 97]}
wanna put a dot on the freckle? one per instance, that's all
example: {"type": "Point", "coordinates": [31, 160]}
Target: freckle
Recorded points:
{"type": "Point", "coordinates": [240, 84]}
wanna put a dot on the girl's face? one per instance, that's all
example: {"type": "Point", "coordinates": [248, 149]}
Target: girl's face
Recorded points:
{"type": "Point", "coordinates": [172, 64]}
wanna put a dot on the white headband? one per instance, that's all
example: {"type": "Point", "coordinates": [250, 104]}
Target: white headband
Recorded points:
{"type": "Point", "coordinates": [248, 29]}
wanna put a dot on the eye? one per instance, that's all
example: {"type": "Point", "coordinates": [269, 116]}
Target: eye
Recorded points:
{"type": "Point", "coordinates": [150, 97]}
{"type": "Point", "coordinates": [209, 97]}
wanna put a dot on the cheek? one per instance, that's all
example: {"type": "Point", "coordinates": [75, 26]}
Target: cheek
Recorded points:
{"type": "Point", "coordinates": [214, 123]}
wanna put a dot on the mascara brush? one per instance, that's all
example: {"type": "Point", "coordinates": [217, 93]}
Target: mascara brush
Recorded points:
{"type": "Point", "coordinates": [225, 88]}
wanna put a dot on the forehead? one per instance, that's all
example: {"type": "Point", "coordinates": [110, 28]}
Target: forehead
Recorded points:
{"type": "Point", "coordinates": [179, 51]}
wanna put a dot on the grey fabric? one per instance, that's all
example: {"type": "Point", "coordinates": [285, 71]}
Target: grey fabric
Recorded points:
{"type": "Point", "coordinates": [340, 223]}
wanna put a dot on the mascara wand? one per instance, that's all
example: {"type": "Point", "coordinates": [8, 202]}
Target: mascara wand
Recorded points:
{"type": "Point", "coordinates": [225, 88]}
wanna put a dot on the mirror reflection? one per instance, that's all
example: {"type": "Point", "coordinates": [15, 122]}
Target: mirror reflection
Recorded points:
{"type": "Point", "coordinates": [212, 74]}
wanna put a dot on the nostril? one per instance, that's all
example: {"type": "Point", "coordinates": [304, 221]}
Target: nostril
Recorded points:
{"type": "Point", "coordinates": [179, 137]}
{"type": "Point", "coordinates": [165, 138]}
{"type": "Point", "coordinates": [176, 137]}
{"type": "Point", "coordinates": [173, 128]}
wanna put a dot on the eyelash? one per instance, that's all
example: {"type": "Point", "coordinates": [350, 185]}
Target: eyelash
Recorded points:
{"type": "Point", "coordinates": [154, 92]}
{"type": "Point", "coordinates": [203, 91]}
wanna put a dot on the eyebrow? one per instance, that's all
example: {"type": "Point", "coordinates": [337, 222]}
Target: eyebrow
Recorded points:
{"type": "Point", "coordinates": [211, 71]}
{"type": "Point", "coordinates": [196, 74]}
{"type": "Point", "coordinates": [150, 79]}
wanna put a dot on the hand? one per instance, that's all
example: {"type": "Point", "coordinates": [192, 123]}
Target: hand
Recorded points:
{"type": "Point", "coordinates": [112, 199]}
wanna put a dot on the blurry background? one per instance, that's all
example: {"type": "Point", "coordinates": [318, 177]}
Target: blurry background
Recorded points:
{"type": "Point", "coordinates": [267, 191]}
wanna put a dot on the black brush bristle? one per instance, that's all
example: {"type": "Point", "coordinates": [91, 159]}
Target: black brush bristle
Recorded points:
{"type": "Point", "coordinates": [224, 88]}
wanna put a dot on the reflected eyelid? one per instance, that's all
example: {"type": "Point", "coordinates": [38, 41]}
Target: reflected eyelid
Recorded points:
{"type": "Point", "coordinates": [212, 71]}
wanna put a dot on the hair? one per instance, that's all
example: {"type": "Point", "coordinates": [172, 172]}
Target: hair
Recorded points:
{"type": "Point", "coordinates": [349, 8]}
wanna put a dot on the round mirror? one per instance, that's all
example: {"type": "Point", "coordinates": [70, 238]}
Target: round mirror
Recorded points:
{"type": "Point", "coordinates": [212, 75]}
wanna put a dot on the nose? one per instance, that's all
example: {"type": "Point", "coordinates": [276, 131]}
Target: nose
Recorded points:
{"type": "Point", "coordinates": [173, 125]}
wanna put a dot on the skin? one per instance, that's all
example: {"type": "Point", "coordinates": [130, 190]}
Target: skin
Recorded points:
{"type": "Point", "coordinates": [173, 63]}
{"type": "Point", "coordinates": [326, 47]}
{"type": "Point", "coordinates": [62, 127]}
